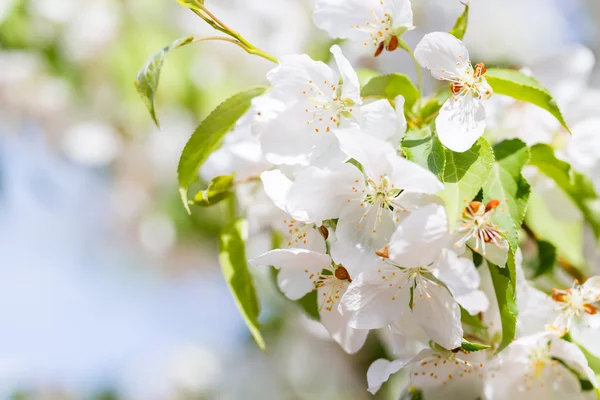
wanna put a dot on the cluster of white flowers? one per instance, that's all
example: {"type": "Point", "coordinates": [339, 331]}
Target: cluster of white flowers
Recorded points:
{"type": "Point", "coordinates": [367, 229]}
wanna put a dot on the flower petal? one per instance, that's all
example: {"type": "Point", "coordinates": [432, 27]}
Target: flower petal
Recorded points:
{"type": "Point", "coordinates": [442, 54]}
{"type": "Point", "coordinates": [378, 119]}
{"type": "Point", "coordinates": [438, 314]}
{"type": "Point", "coordinates": [420, 238]}
{"type": "Point", "coordinates": [276, 186]}
{"type": "Point", "coordinates": [380, 370]}
{"type": "Point", "coordinates": [460, 122]}
{"type": "Point", "coordinates": [350, 339]}
{"type": "Point", "coordinates": [367, 150]}
{"type": "Point", "coordinates": [371, 306]}
{"type": "Point", "coordinates": [338, 17]}
{"type": "Point", "coordinates": [361, 231]}
{"type": "Point", "coordinates": [412, 177]}
{"type": "Point", "coordinates": [298, 268]}
{"type": "Point", "coordinates": [350, 87]}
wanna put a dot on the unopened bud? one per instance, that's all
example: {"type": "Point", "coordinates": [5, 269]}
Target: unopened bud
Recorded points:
{"type": "Point", "coordinates": [392, 44]}
{"type": "Point", "coordinates": [379, 49]}
{"type": "Point", "coordinates": [324, 232]}
{"type": "Point", "coordinates": [342, 274]}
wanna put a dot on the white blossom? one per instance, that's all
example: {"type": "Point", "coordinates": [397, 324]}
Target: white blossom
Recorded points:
{"type": "Point", "coordinates": [461, 120]}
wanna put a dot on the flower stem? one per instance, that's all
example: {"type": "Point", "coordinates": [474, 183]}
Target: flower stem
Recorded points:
{"type": "Point", "coordinates": [238, 39]}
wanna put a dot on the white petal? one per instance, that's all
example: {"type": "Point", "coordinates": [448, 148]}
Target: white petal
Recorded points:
{"type": "Point", "coordinates": [288, 140]}
{"type": "Point", "coordinates": [438, 314]}
{"type": "Point", "coordinates": [401, 119]}
{"type": "Point", "coordinates": [371, 306]}
{"type": "Point", "coordinates": [367, 150]}
{"type": "Point", "coordinates": [461, 277]}
{"type": "Point", "coordinates": [412, 177]}
{"type": "Point", "coordinates": [361, 231]}
{"type": "Point", "coordinates": [338, 17]}
{"type": "Point", "coordinates": [319, 194]}
{"type": "Point", "coordinates": [380, 370]}
{"type": "Point", "coordinates": [379, 119]}
{"type": "Point", "coordinates": [350, 339]}
{"type": "Point", "coordinates": [402, 15]}
{"type": "Point", "coordinates": [350, 87]}
{"type": "Point", "coordinates": [419, 239]}
{"type": "Point", "coordinates": [497, 255]}
{"type": "Point", "coordinates": [442, 54]}
{"type": "Point", "coordinates": [571, 355]}
{"type": "Point", "coordinates": [276, 186]}
{"type": "Point", "coordinates": [297, 266]}
{"type": "Point", "coordinates": [295, 74]}
{"type": "Point", "coordinates": [460, 123]}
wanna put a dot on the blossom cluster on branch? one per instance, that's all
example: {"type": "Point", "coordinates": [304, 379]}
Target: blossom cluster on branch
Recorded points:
{"type": "Point", "coordinates": [411, 215]}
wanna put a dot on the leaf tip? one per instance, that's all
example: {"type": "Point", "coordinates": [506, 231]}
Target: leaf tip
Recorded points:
{"type": "Point", "coordinates": [184, 200]}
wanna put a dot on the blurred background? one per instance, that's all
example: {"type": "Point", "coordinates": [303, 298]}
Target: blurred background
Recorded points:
{"type": "Point", "coordinates": [108, 289]}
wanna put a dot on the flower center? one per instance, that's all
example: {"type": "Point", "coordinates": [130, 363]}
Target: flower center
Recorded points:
{"type": "Point", "coordinates": [572, 303]}
{"type": "Point", "coordinates": [477, 224]}
{"type": "Point", "coordinates": [382, 195]}
{"type": "Point", "coordinates": [326, 111]}
{"type": "Point", "coordinates": [471, 80]}
{"type": "Point", "coordinates": [296, 232]}
{"type": "Point", "coordinates": [381, 34]}
{"type": "Point", "coordinates": [539, 358]}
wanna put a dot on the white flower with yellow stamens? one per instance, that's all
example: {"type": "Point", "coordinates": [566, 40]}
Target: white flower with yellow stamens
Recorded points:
{"type": "Point", "coordinates": [320, 100]}
{"type": "Point", "coordinates": [414, 275]}
{"type": "Point", "coordinates": [540, 366]}
{"type": "Point", "coordinates": [377, 23]}
{"type": "Point", "coordinates": [302, 271]}
{"type": "Point", "coordinates": [461, 120]}
{"type": "Point", "coordinates": [367, 204]}
{"type": "Point", "coordinates": [477, 230]}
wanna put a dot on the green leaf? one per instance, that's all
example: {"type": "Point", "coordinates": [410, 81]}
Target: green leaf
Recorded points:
{"type": "Point", "coordinates": [208, 137]}
{"type": "Point", "coordinates": [564, 233]}
{"type": "Point", "coordinates": [232, 257]}
{"type": "Point", "coordinates": [390, 86]}
{"type": "Point", "coordinates": [218, 190]}
{"type": "Point", "coordinates": [424, 148]}
{"type": "Point", "coordinates": [546, 258]}
{"type": "Point", "coordinates": [507, 303]}
{"type": "Point", "coordinates": [146, 81]}
{"type": "Point", "coordinates": [460, 27]}
{"type": "Point", "coordinates": [507, 185]}
{"type": "Point", "coordinates": [464, 175]}
{"type": "Point", "coordinates": [471, 320]}
{"type": "Point", "coordinates": [525, 88]}
{"type": "Point", "coordinates": [468, 346]}
{"type": "Point", "coordinates": [577, 186]}
{"type": "Point", "coordinates": [309, 304]}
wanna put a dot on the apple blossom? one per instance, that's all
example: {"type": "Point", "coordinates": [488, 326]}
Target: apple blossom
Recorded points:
{"type": "Point", "coordinates": [540, 366]}
{"type": "Point", "coordinates": [461, 120]}
{"type": "Point", "coordinates": [478, 230]}
{"type": "Point", "coordinates": [367, 204]}
{"type": "Point", "coordinates": [408, 279]}
{"type": "Point", "coordinates": [301, 272]}
{"type": "Point", "coordinates": [377, 23]}
{"type": "Point", "coordinates": [320, 101]}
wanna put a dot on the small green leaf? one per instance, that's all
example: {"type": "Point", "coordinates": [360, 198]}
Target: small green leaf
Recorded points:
{"type": "Point", "coordinates": [577, 186]}
{"type": "Point", "coordinates": [146, 81]}
{"type": "Point", "coordinates": [464, 175]}
{"type": "Point", "coordinates": [218, 189]}
{"type": "Point", "coordinates": [507, 185]}
{"type": "Point", "coordinates": [546, 258]}
{"type": "Point", "coordinates": [507, 303]}
{"type": "Point", "coordinates": [471, 320]}
{"type": "Point", "coordinates": [460, 27]}
{"type": "Point", "coordinates": [232, 257]}
{"type": "Point", "coordinates": [525, 88]}
{"type": "Point", "coordinates": [424, 148]}
{"type": "Point", "coordinates": [468, 346]}
{"type": "Point", "coordinates": [390, 86]}
{"type": "Point", "coordinates": [208, 136]}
